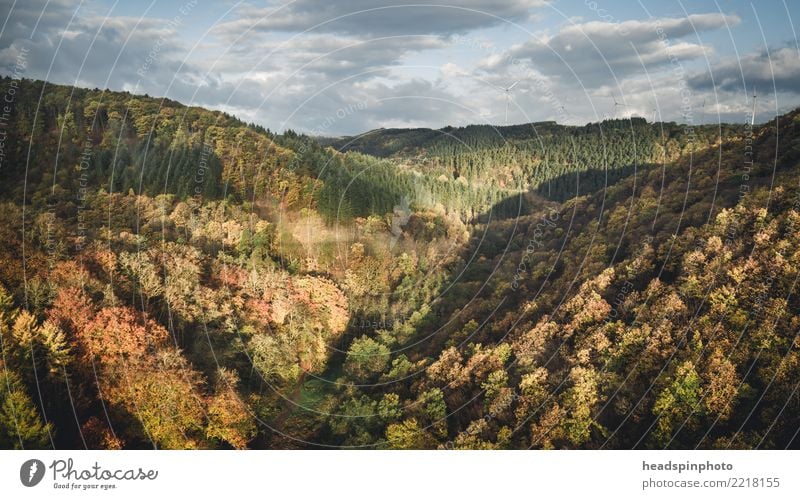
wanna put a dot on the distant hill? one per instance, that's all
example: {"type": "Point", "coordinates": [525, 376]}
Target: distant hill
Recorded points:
{"type": "Point", "coordinates": [557, 161]}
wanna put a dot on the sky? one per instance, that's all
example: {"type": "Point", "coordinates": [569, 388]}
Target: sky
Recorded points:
{"type": "Point", "coordinates": [335, 67]}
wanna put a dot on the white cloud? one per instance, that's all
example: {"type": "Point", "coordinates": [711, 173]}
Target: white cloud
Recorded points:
{"type": "Point", "coordinates": [451, 70]}
{"type": "Point", "coordinates": [359, 65]}
{"type": "Point", "coordinates": [778, 69]}
{"type": "Point", "coordinates": [381, 17]}
{"type": "Point", "coordinates": [596, 53]}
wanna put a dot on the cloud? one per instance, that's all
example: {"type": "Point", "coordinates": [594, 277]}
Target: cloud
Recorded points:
{"type": "Point", "coordinates": [350, 76]}
{"type": "Point", "coordinates": [362, 106]}
{"type": "Point", "coordinates": [779, 67]}
{"type": "Point", "coordinates": [304, 81]}
{"type": "Point", "coordinates": [600, 52]}
{"type": "Point", "coordinates": [416, 103]}
{"type": "Point", "coordinates": [329, 55]}
{"type": "Point", "coordinates": [451, 70]}
{"type": "Point", "coordinates": [70, 45]}
{"type": "Point", "coordinates": [381, 17]}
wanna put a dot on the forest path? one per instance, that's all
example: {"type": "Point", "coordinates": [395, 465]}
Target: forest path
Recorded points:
{"type": "Point", "coordinates": [290, 404]}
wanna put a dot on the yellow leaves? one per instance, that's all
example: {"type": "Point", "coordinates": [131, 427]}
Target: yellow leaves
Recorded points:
{"type": "Point", "coordinates": [763, 237]}
{"type": "Point", "coordinates": [408, 435]}
{"type": "Point", "coordinates": [694, 261]}
{"type": "Point", "coordinates": [725, 220]}
{"type": "Point", "coordinates": [678, 405]}
{"type": "Point", "coordinates": [273, 358]}
{"type": "Point", "coordinates": [580, 400]}
{"type": "Point", "coordinates": [181, 267]}
{"type": "Point", "coordinates": [181, 214]}
{"type": "Point", "coordinates": [299, 316]}
{"type": "Point", "coordinates": [472, 437]}
{"type": "Point", "coordinates": [721, 385]}
{"type": "Point", "coordinates": [356, 251]}
{"type": "Point", "coordinates": [262, 226]}
{"type": "Point", "coordinates": [57, 349]}
{"type": "Point", "coordinates": [164, 396]}
{"type": "Point", "coordinates": [485, 360]}
{"type": "Point", "coordinates": [714, 245]}
{"type": "Point", "coordinates": [448, 369]}
{"type": "Point", "coordinates": [229, 417]}
{"type": "Point", "coordinates": [280, 309]}
{"type": "Point", "coordinates": [723, 300]}
{"type": "Point", "coordinates": [629, 340]}
{"type": "Point", "coordinates": [737, 274]}
{"type": "Point", "coordinates": [144, 273]}
{"type": "Point", "coordinates": [24, 329]}
{"type": "Point", "coordinates": [548, 430]}
{"type": "Point", "coordinates": [533, 390]}
{"type": "Point", "coordinates": [531, 344]}
{"type": "Point", "coordinates": [641, 264]}
{"type": "Point", "coordinates": [592, 308]}
{"type": "Point", "coordinates": [588, 306]}
{"type": "Point", "coordinates": [232, 233]}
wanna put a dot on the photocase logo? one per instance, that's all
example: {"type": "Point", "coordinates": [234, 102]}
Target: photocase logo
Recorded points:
{"type": "Point", "coordinates": [31, 472]}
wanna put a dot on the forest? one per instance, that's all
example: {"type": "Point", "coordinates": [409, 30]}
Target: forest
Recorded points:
{"type": "Point", "coordinates": [175, 278]}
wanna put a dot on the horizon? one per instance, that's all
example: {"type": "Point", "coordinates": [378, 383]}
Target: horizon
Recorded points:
{"type": "Point", "coordinates": [367, 132]}
{"type": "Point", "coordinates": [422, 66]}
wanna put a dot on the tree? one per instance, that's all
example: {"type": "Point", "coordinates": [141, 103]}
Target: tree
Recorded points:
{"type": "Point", "coordinates": [229, 417]}
{"type": "Point", "coordinates": [97, 435]}
{"type": "Point", "coordinates": [21, 425]}
{"type": "Point", "coordinates": [272, 358]}
{"type": "Point", "coordinates": [120, 334]}
{"type": "Point", "coordinates": [678, 404]}
{"type": "Point", "coordinates": [389, 408]}
{"type": "Point", "coordinates": [435, 411]}
{"type": "Point", "coordinates": [721, 385]}
{"type": "Point", "coordinates": [57, 351]}
{"type": "Point", "coordinates": [366, 358]}
{"type": "Point", "coordinates": [164, 396]}
{"type": "Point", "coordinates": [144, 273]}
{"type": "Point", "coordinates": [408, 435]}
{"type": "Point", "coordinates": [580, 400]}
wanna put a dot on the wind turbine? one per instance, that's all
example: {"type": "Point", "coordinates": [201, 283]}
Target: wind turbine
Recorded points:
{"type": "Point", "coordinates": [703, 112]}
{"type": "Point", "coordinates": [753, 118]}
{"type": "Point", "coordinates": [616, 104]}
{"type": "Point", "coordinates": [507, 90]}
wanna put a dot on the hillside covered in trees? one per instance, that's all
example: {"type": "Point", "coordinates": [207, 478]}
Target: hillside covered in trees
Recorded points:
{"type": "Point", "coordinates": [173, 277]}
{"type": "Point", "coordinates": [558, 162]}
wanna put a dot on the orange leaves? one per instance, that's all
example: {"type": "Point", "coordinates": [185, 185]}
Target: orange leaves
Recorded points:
{"type": "Point", "coordinates": [260, 312]}
{"type": "Point", "coordinates": [69, 273]}
{"type": "Point", "coordinates": [119, 333]}
{"type": "Point", "coordinates": [71, 309]}
{"type": "Point", "coordinates": [98, 435]}
{"type": "Point", "coordinates": [325, 297]}
{"type": "Point", "coordinates": [448, 370]}
{"type": "Point", "coordinates": [230, 276]}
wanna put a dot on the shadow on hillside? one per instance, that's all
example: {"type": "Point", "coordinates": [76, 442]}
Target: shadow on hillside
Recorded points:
{"type": "Point", "coordinates": [582, 183]}
{"type": "Point", "coordinates": [486, 294]}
